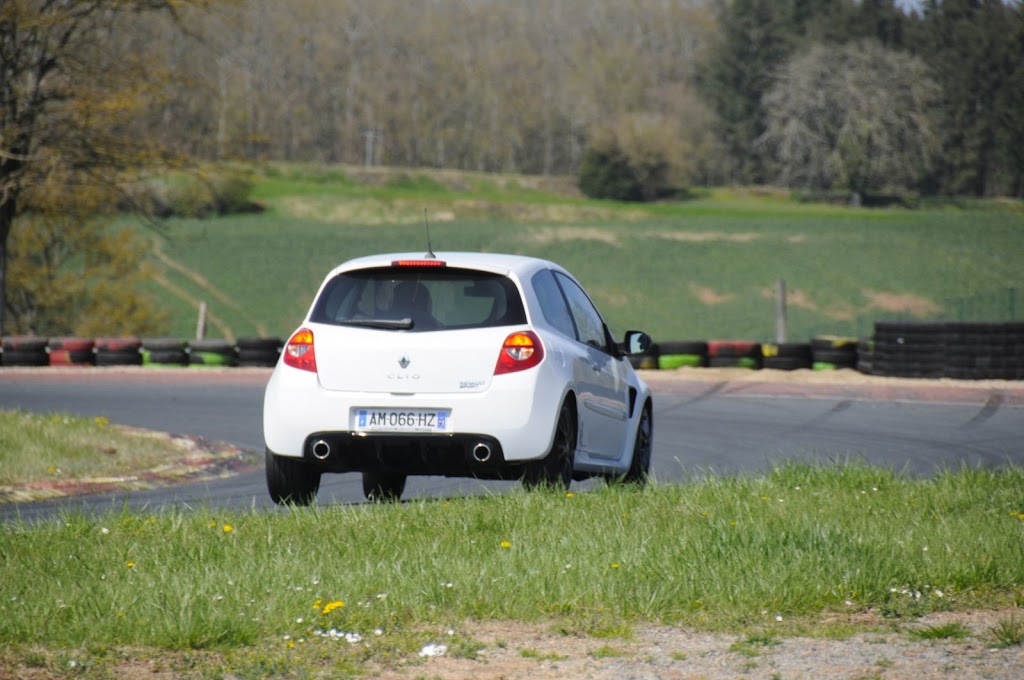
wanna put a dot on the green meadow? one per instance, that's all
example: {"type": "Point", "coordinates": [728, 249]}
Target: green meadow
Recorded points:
{"type": "Point", "coordinates": [701, 268]}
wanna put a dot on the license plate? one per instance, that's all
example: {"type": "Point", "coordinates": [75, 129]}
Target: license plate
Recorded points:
{"type": "Point", "coordinates": [401, 420]}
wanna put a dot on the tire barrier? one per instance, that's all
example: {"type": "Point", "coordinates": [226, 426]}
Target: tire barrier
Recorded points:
{"type": "Point", "coordinates": [258, 352]}
{"type": "Point", "coordinates": [971, 351]}
{"type": "Point", "coordinates": [24, 350]}
{"type": "Point", "coordinates": [734, 353]}
{"type": "Point", "coordinates": [72, 351]}
{"type": "Point", "coordinates": [830, 352]}
{"type": "Point", "coordinates": [211, 353]}
{"type": "Point", "coordinates": [961, 350]}
{"type": "Point", "coordinates": [786, 356]}
{"type": "Point", "coordinates": [162, 352]}
{"type": "Point", "coordinates": [673, 355]}
{"type": "Point", "coordinates": [122, 351]}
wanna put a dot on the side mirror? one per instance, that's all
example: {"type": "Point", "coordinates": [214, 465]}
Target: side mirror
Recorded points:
{"type": "Point", "coordinates": [636, 342]}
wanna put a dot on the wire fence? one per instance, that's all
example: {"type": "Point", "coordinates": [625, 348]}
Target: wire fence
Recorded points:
{"type": "Point", "coordinates": [994, 306]}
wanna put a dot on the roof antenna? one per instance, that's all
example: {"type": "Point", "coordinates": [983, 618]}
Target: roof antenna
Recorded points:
{"type": "Point", "coordinates": [430, 250]}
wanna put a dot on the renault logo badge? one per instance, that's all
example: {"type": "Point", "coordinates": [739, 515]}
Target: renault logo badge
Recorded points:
{"type": "Point", "coordinates": [404, 361]}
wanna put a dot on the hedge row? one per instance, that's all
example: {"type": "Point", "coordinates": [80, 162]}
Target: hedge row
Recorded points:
{"type": "Point", "coordinates": [133, 351]}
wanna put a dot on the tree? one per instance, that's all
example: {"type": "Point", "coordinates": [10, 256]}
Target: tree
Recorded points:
{"type": "Point", "coordinates": [858, 117]}
{"type": "Point", "coordinates": [975, 49]}
{"type": "Point", "coordinates": [71, 273]}
{"type": "Point", "coordinates": [67, 100]}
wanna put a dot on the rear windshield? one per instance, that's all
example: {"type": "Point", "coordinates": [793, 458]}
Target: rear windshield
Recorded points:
{"type": "Point", "coordinates": [429, 298]}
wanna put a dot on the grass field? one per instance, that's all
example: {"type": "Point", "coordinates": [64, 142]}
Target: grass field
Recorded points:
{"type": "Point", "coordinates": [773, 555]}
{"type": "Point", "coordinates": [703, 268]}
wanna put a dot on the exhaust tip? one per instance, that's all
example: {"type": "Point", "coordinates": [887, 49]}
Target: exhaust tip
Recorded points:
{"type": "Point", "coordinates": [481, 453]}
{"type": "Point", "coordinates": [321, 449]}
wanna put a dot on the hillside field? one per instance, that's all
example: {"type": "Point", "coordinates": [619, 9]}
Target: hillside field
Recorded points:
{"type": "Point", "coordinates": [701, 268]}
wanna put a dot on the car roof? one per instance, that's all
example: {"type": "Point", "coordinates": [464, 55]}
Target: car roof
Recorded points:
{"type": "Point", "coordinates": [520, 265]}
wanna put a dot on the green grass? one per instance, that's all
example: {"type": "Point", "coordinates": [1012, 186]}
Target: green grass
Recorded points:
{"type": "Point", "coordinates": [716, 553]}
{"type": "Point", "coordinates": [59, 447]}
{"type": "Point", "coordinates": [697, 269]}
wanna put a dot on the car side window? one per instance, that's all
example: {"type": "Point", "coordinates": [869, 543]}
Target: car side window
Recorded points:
{"type": "Point", "coordinates": [552, 303]}
{"type": "Point", "coordinates": [589, 324]}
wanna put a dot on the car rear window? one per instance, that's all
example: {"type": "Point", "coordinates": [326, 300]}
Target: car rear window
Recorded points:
{"type": "Point", "coordinates": [434, 298]}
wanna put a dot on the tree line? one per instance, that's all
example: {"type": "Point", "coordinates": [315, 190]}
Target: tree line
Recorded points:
{"type": "Point", "coordinates": [640, 99]}
{"type": "Point", "coordinates": [859, 96]}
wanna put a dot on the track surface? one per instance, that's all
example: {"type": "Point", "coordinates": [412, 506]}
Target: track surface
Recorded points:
{"type": "Point", "coordinates": [705, 420]}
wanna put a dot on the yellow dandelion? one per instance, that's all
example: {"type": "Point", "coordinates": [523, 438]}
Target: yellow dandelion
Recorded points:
{"type": "Point", "coordinates": [228, 528]}
{"type": "Point", "coordinates": [506, 544]}
{"type": "Point", "coordinates": [101, 421]}
{"type": "Point", "coordinates": [331, 606]}
{"type": "Point", "coordinates": [569, 494]}
{"type": "Point", "coordinates": [212, 525]}
{"type": "Point", "coordinates": [291, 644]}
{"type": "Point", "coordinates": [615, 565]}
{"type": "Point", "coordinates": [130, 565]}
{"type": "Point", "coordinates": [318, 604]}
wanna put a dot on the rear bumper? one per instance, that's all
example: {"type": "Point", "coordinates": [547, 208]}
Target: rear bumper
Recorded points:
{"type": "Point", "coordinates": [455, 455]}
{"type": "Point", "coordinates": [516, 416]}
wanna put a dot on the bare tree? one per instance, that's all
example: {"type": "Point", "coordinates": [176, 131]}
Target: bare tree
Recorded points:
{"type": "Point", "coordinates": [856, 117]}
{"type": "Point", "coordinates": [66, 102]}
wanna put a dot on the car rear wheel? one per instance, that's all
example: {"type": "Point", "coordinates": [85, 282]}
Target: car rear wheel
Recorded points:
{"type": "Point", "coordinates": [291, 481]}
{"type": "Point", "coordinates": [383, 487]}
{"type": "Point", "coordinates": [555, 469]}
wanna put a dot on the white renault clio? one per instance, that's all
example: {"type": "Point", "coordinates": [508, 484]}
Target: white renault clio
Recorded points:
{"type": "Point", "coordinates": [455, 364]}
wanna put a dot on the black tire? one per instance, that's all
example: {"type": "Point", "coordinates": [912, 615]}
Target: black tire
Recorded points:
{"type": "Point", "coordinates": [786, 350]}
{"type": "Point", "coordinates": [120, 357]}
{"type": "Point", "coordinates": [735, 362]}
{"type": "Point", "coordinates": [640, 466]}
{"type": "Point", "coordinates": [258, 357]}
{"type": "Point", "coordinates": [291, 481]}
{"type": "Point", "coordinates": [555, 469]}
{"type": "Point", "coordinates": [25, 343]}
{"type": "Point", "coordinates": [164, 357]}
{"type": "Point", "coordinates": [781, 363]}
{"type": "Point", "coordinates": [830, 342]}
{"type": "Point", "coordinates": [259, 344]}
{"type": "Point", "coordinates": [20, 357]}
{"type": "Point", "coordinates": [383, 487]}
{"type": "Point", "coordinates": [164, 344]}
{"type": "Point", "coordinates": [844, 358]}
{"type": "Point", "coordinates": [683, 347]}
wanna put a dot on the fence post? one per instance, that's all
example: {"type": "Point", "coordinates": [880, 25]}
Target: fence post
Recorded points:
{"type": "Point", "coordinates": [201, 322]}
{"type": "Point", "coordinates": [780, 311]}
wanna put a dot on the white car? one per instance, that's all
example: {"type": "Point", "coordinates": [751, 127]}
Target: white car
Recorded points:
{"type": "Point", "coordinates": [455, 364]}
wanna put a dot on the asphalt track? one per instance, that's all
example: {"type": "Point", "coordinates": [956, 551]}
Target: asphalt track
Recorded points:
{"type": "Point", "coordinates": [724, 421]}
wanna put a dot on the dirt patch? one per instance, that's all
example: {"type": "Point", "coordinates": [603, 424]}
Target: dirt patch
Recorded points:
{"type": "Point", "coordinates": [519, 650]}
{"type": "Point", "coordinates": [550, 235]}
{"type": "Point", "coordinates": [708, 296]}
{"type": "Point", "coordinates": [705, 236]}
{"type": "Point", "coordinates": [900, 303]}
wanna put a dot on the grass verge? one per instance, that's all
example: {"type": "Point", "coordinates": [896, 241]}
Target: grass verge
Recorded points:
{"type": "Point", "coordinates": [57, 447]}
{"type": "Point", "coordinates": [768, 554]}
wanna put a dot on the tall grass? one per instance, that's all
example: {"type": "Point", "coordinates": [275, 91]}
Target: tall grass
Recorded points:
{"type": "Point", "coordinates": [698, 269]}
{"type": "Point", "coordinates": [712, 552]}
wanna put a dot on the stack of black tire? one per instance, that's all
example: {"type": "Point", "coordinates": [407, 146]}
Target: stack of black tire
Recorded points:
{"type": "Point", "coordinates": [786, 356]}
{"type": "Point", "coordinates": [971, 351]}
{"type": "Point", "coordinates": [119, 351]}
{"type": "Point", "coordinates": [24, 350]}
{"type": "Point", "coordinates": [255, 352]}
{"type": "Point", "coordinates": [830, 352]}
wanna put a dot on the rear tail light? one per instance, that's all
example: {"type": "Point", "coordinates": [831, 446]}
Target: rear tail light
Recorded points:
{"type": "Point", "coordinates": [298, 353]}
{"type": "Point", "coordinates": [520, 351]}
